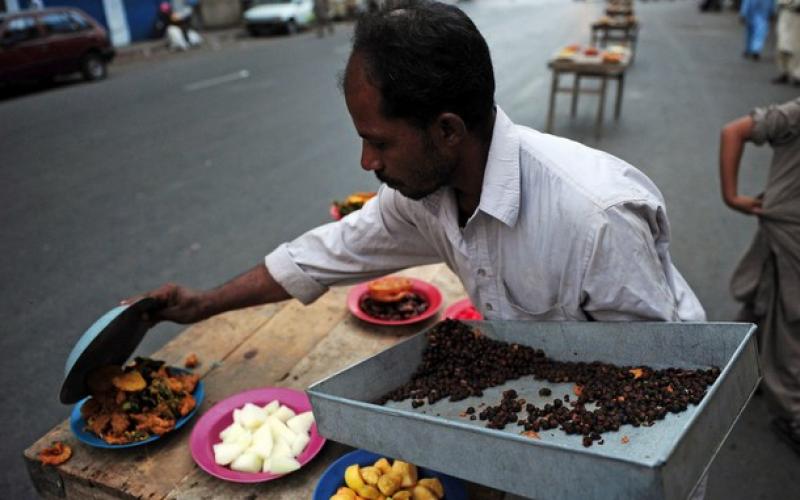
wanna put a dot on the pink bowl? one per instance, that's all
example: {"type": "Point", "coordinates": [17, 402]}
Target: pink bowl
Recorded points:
{"type": "Point", "coordinates": [206, 432]}
{"type": "Point", "coordinates": [422, 288]}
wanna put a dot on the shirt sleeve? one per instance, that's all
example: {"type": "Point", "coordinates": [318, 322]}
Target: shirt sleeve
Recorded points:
{"type": "Point", "coordinates": [776, 124]}
{"type": "Point", "coordinates": [625, 278]}
{"type": "Point", "coordinates": [378, 239]}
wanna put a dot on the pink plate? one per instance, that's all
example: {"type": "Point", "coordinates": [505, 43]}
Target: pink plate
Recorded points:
{"type": "Point", "coordinates": [206, 432]}
{"type": "Point", "coordinates": [335, 214]}
{"type": "Point", "coordinates": [462, 309]}
{"type": "Point", "coordinates": [426, 290]}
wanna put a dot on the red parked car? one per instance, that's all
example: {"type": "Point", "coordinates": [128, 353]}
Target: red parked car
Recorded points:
{"type": "Point", "coordinates": [40, 44]}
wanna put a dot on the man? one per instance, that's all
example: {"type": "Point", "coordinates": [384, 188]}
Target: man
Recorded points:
{"type": "Point", "coordinates": [322, 17]}
{"type": "Point", "coordinates": [767, 280]}
{"type": "Point", "coordinates": [536, 227]}
{"type": "Point", "coordinates": [788, 42]}
{"type": "Point", "coordinates": [756, 14]}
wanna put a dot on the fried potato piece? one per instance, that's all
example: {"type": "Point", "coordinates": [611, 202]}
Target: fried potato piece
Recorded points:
{"type": "Point", "coordinates": [370, 475]}
{"type": "Point", "coordinates": [402, 495]}
{"type": "Point", "coordinates": [434, 485]}
{"type": "Point", "coordinates": [383, 465]}
{"type": "Point", "coordinates": [422, 493]}
{"type": "Point", "coordinates": [407, 471]}
{"type": "Point", "coordinates": [56, 454]}
{"type": "Point", "coordinates": [131, 381]}
{"type": "Point", "coordinates": [389, 483]}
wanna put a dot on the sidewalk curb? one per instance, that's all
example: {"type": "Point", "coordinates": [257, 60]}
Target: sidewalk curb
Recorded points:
{"type": "Point", "coordinates": [146, 49]}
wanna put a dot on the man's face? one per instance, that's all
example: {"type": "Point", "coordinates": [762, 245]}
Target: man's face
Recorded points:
{"type": "Point", "coordinates": [401, 155]}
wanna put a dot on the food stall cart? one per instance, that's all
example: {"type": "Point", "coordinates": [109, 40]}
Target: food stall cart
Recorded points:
{"type": "Point", "coordinates": [586, 67]}
{"type": "Point", "coordinates": [337, 357]}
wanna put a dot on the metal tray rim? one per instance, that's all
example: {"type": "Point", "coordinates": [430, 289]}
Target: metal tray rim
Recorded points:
{"type": "Point", "coordinates": [715, 387]}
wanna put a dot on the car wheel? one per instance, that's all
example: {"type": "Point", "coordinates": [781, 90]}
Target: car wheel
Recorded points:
{"type": "Point", "coordinates": [254, 31]}
{"type": "Point", "coordinates": [291, 27]}
{"type": "Point", "coordinates": [93, 67]}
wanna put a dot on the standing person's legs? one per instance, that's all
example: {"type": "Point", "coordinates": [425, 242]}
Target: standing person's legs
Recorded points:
{"type": "Point", "coordinates": [759, 35]}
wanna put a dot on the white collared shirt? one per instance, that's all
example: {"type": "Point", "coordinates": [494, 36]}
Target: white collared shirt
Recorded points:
{"type": "Point", "coordinates": [562, 232]}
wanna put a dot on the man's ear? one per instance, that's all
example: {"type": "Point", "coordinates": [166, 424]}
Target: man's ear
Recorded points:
{"type": "Point", "coordinates": [449, 130]}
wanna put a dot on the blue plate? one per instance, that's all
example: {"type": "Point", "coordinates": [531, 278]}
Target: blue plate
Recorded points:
{"type": "Point", "coordinates": [78, 423]}
{"type": "Point", "coordinates": [109, 341]}
{"type": "Point", "coordinates": [333, 477]}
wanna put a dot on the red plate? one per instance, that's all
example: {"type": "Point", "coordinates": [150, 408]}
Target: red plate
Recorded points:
{"type": "Point", "coordinates": [463, 309]}
{"type": "Point", "coordinates": [422, 288]}
{"type": "Point", "coordinates": [335, 214]}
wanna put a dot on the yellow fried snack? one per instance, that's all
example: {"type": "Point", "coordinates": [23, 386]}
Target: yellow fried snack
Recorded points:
{"type": "Point", "coordinates": [407, 471]}
{"type": "Point", "coordinates": [383, 465]}
{"type": "Point", "coordinates": [389, 483]}
{"type": "Point", "coordinates": [422, 493]}
{"type": "Point", "coordinates": [352, 478]}
{"type": "Point", "coordinates": [131, 381]}
{"type": "Point", "coordinates": [402, 495]}
{"type": "Point", "coordinates": [370, 475]}
{"type": "Point", "coordinates": [369, 492]}
{"type": "Point", "coordinates": [346, 492]}
{"type": "Point", "coordinates": [434, 485]}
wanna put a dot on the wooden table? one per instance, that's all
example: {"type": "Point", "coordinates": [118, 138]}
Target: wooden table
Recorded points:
{"type": "Point", "coordinates": [619, 10]}
{"type": "Point", "coordinates": [583, 68]}
{"type": "Point", "coordinates": [285, 344]}
{"type": "Point", "coordinates": [622, 31]}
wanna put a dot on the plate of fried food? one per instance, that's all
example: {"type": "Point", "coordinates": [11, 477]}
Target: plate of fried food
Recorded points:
{"type": "Point", "coordinates": [350, 204]}
{"type": "Point", "coordinates": [363, 474]}
{"type": "Point", "coordinates": [394, 300]}
{"type": "Point", "coordinates": [136, 404]}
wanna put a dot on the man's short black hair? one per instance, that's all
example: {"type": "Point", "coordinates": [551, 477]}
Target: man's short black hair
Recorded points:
{"type": "Point", "coordinates": [427, 58]}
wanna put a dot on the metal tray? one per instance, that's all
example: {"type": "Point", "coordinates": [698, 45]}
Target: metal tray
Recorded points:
{"type": "Point", "coordinates": [664, 461]}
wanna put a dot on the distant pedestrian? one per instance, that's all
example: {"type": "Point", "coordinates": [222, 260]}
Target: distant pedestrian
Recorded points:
{"type": "Point", "coordinates": [756, 14]}
{"type": "Point", "coordinates": [322, 16]}
{"type": "Point", "coordinates": [788, 47]}
{"type": "Point", "coordinates": [767, 280]}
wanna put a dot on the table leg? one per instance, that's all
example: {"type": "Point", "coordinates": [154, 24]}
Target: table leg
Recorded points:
{"type": "Point", "coordinates": [620, 88]}
{"type": "Point", "coordinates": [552, 108]}
{"type": "Point", "coordinates": [576, 88]}
{"type": "Point", "coordinates": [598, 127]}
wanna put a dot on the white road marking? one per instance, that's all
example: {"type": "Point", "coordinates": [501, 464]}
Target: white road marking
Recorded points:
{"type": "Point", "coordinates": [219, 80]}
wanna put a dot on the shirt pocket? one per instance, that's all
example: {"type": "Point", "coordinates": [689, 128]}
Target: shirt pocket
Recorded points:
{"type": "Point", "coordinates": [548, 312]}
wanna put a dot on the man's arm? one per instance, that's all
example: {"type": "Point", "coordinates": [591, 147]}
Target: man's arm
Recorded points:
{"type": "Point", "coordinates": [732, 140]}
{"type": "Point", "coordinates": [184, 305]}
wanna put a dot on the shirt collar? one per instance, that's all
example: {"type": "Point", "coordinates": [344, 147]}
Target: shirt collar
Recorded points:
{"type": "Point", "coordinates": [500, 192]}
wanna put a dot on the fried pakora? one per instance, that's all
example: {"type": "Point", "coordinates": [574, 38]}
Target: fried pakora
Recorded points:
{"type": "Point", "coordinates": [56, 454]}
{"type": "Point", "coordinates": [136, 402]}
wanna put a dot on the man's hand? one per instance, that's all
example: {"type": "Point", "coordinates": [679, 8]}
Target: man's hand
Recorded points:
{"type": "Point", "coordinates": [745, 204]}
{"type": "Point", "coordinates": [184, 305]}
{"type": "Point", "coordinates": [178, 304]}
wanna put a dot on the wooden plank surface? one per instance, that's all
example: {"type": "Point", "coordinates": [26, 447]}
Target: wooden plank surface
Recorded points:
{"type": "Point", "coordinates": [285, 344]}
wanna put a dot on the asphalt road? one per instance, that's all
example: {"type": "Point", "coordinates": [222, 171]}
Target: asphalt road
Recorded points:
{"type": "Point", "coordinates": [191, 167]}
